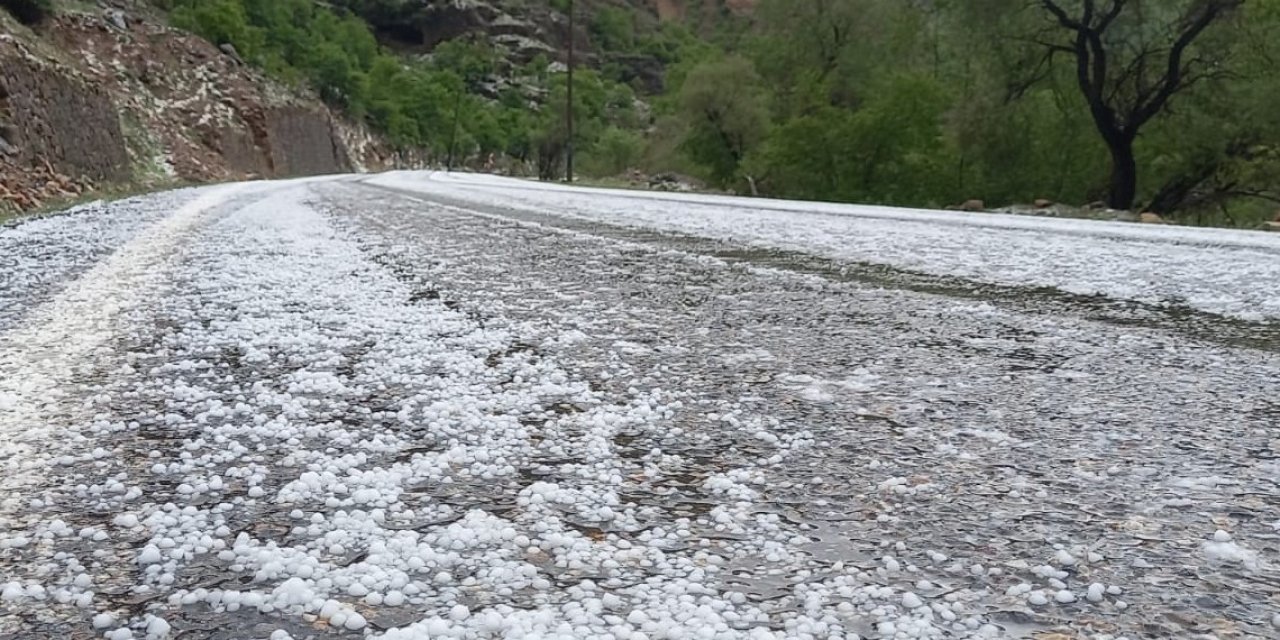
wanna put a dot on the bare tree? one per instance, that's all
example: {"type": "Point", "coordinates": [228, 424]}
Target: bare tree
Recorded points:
{"type": "Point", "coordinates": [1128, 79]}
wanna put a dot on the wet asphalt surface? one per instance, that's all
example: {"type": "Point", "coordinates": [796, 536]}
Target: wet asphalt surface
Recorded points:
{"type": "Point", "coordinates": [966, 444]}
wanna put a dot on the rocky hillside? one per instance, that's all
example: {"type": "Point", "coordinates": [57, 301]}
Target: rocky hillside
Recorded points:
{"type": "Point", "coordinates": [112, 96]}
{"type": "Point", "coordinates": [526, 27]}
{"type": "Point", "coordinates": [524, 30]}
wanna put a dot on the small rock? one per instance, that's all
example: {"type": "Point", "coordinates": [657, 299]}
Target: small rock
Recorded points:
{"type": "Point", "coordinates": [117, 19]}
{"type": "Point", "coordinates": [230, 50]}
{"type": "Point", "coordinates": [973, 205]}
{"type": "Point", "coordinates": [1043, 203]}
{"type": "Point", "coordinates": [1150, 218]}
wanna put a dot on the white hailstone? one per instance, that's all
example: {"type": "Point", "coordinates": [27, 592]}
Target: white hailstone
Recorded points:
{"type": "Point", "coordinates": [280, 634]}
{"type": "Point", "coordinates": [293, 591]}
{"type": "Point", "coordinates": [103, 620]}
{"type": "Point", "coordinates": [329, 608]}
{"type": "Point", "coordinates": [393, 599]}
{"type": "Point", "coordinates": [150, 555]}
{"type": "Point", "coordinates": [157, 628]}
{"type": "Point", "coordinates": [1065, 559]}
{"type": "Point", "coordinates": [459, 612]}
{"type": "Point", "coordinates": [1275, 621]}
{"type": "Point", "coordinates": [1221, 536]}
{"type": "Point", "coordinates": [83, 581]}
{"type": "Point", "coordinates": [354, 621]}
{"type": "Point", "coordinates": [1037, 599]}
{"type": "Point", "coordinates": [911, 601]}
{"type": "Point", "coordinates": [13, 592]}
{"type": "Point", "coordinates": [1095, 592]}
{"type": "Point", "coordinates": [1064, 596]}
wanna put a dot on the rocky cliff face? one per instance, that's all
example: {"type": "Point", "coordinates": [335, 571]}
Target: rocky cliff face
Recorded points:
{"type": "Point", "coordinates": [55, 123]}
{"type": "Point", "coordinates": [117, 97]}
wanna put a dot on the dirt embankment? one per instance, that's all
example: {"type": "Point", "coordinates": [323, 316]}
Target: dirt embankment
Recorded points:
{"type": "Point", "coordinates": [91, 100]}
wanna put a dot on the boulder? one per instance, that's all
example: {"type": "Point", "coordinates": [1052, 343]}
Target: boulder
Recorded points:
{"type": "Point", "coordinates": [230, 50]}
{"type": "Point", "coordinates": [1270, 226]}
{"type": "Point", "coordinates": [642, 71]}
{"type": "Point", "coordinates": [1150, 217]}
{"type": "Point", "coordinates": [1043, 203]}
{"type": "Point", "coordinates": [671, 182]}
{"type": "Point", "coordinates": [973, 206]}
{"type": "Point", "coordinates": [116, 18]}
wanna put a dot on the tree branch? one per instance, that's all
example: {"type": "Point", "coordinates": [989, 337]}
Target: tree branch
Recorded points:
{"type": "Point", "coordinates": [1174, 76]}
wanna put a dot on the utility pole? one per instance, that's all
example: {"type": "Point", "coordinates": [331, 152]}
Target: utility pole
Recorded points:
{"type": "Point", "coordinates": [568, 111]}
{"type": "Point", "coordinates": [453, 137]}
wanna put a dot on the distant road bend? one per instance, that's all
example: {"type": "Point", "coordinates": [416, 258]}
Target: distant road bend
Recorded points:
{"type": "Point", "coordinates": [421, 405]}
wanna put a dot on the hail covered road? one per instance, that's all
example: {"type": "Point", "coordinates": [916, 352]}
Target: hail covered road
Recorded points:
{"type": "Point", "coordinates": [420, 406]}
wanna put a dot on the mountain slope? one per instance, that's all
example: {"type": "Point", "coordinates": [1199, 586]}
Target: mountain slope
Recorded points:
{"type": "Point", "coordinates": [117, 97]}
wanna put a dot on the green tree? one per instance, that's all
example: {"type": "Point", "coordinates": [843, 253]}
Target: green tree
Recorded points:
{"type": "Point", "coordinates": [725, 108]}
{"type": "Point", "coordinates": [615, 151]}
{"type": "Point", "coordinates": [1131, 60]}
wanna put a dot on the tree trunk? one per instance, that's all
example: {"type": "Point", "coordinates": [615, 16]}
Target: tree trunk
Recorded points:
{"type": "Point", "coordinates": [1124, 173]}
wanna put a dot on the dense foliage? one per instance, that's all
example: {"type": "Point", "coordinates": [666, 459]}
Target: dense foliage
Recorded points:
{"type": "Point", "coordinates": [916, 103]}
{"type": "Point", "coordinates": [440, 103]}
{"type": "Point", "coordinates": [883, 101]}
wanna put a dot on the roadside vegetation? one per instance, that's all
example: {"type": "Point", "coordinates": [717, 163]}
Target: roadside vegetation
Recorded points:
{"type": "Point", "coordinates": [1137, 105]}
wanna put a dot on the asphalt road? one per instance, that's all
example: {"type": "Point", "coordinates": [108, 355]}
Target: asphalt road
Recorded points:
{"type": "Point", "coordinates": [423, 406]}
